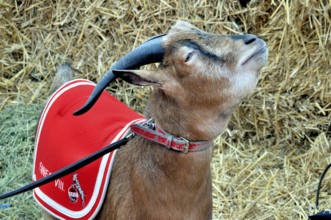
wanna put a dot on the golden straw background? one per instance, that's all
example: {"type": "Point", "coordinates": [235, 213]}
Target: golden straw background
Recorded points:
{"type": "Point", "coordinates": [266, 165]}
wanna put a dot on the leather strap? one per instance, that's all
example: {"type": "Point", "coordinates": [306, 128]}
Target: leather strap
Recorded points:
{"type": "Point", "coordinates": [70, 168]}
{"type": "Point", "coordinates": [153, 133]}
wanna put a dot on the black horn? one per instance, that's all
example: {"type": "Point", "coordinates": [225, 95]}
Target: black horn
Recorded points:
{"type": "Point", "coordinates": [151, 51]}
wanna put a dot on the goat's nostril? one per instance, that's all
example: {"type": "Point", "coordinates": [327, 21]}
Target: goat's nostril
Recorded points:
{"type": "Point", "coordinates": [249, 40]}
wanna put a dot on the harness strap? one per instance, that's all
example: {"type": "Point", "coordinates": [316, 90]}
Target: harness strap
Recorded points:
{"type": "Point", "coordinates": [324, 214]}
{"type": "Point", "coordinates": [320, 184]}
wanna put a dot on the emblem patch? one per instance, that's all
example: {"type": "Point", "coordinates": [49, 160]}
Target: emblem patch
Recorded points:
{"type": "Point", "coordinates": [75, 191]}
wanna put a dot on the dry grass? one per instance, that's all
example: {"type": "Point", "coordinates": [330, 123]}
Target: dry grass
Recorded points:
{"type": "Point", "coordinates": [267, 164]}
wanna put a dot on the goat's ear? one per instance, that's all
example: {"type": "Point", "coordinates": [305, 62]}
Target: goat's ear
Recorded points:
{"type": "Point", "coordinates": [140, 77]}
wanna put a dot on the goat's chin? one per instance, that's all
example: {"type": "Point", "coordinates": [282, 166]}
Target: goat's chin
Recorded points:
{"type": "Point", "coordinates": [244, 83]}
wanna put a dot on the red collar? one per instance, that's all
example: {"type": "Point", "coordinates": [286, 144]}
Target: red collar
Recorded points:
{"type": "Point", "coordinates": [154, 133]}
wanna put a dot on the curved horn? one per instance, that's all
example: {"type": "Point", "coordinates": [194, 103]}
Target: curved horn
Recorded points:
{"type": "Point", "coordinates": [151, 51]}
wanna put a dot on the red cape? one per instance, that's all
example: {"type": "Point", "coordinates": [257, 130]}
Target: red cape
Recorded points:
{"type": "Point", "coordinates": [63, 139]}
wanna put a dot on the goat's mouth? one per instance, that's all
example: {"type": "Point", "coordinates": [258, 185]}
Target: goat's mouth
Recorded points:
{"type": "Point", "coordinates": [260, 52]}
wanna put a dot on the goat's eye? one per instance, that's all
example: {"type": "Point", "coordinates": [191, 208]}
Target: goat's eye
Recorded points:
{"type": "Point", "coordinates": [189, 56]}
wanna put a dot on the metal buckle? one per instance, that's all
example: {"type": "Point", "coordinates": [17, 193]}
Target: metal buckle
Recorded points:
{"type": "Point", "coordinates": [149, 123]}
{"type": "Point", "coordinates": [130, 135]}
{"type": "Point", "coordinates": [186, 146]}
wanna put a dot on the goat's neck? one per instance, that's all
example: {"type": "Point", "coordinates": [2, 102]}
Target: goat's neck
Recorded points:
{"type": "Point", "coordinates": [186, 123]}
{"type": "Point", "coordinates": [193, 122]}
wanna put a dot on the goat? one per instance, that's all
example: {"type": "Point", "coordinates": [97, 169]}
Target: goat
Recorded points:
{"type": "Point", "coordinates": [203, 77]}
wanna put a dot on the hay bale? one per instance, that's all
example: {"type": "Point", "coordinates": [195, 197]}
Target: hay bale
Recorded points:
{"type": "Point", "coordinates": [17, 126]}
{"type": "Point", "coordinates": [267, 164]}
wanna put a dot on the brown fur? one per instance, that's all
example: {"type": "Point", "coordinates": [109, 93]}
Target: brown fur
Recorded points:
{"type": "Point", "coordinates": [193, 99]}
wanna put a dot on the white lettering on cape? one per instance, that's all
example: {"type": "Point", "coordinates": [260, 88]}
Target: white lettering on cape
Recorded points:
{"type": "Point", "coordinates": [45, 172]}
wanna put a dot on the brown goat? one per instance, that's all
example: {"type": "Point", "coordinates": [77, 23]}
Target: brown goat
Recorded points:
{"type": "Point", "coordinates": [202, 79]}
